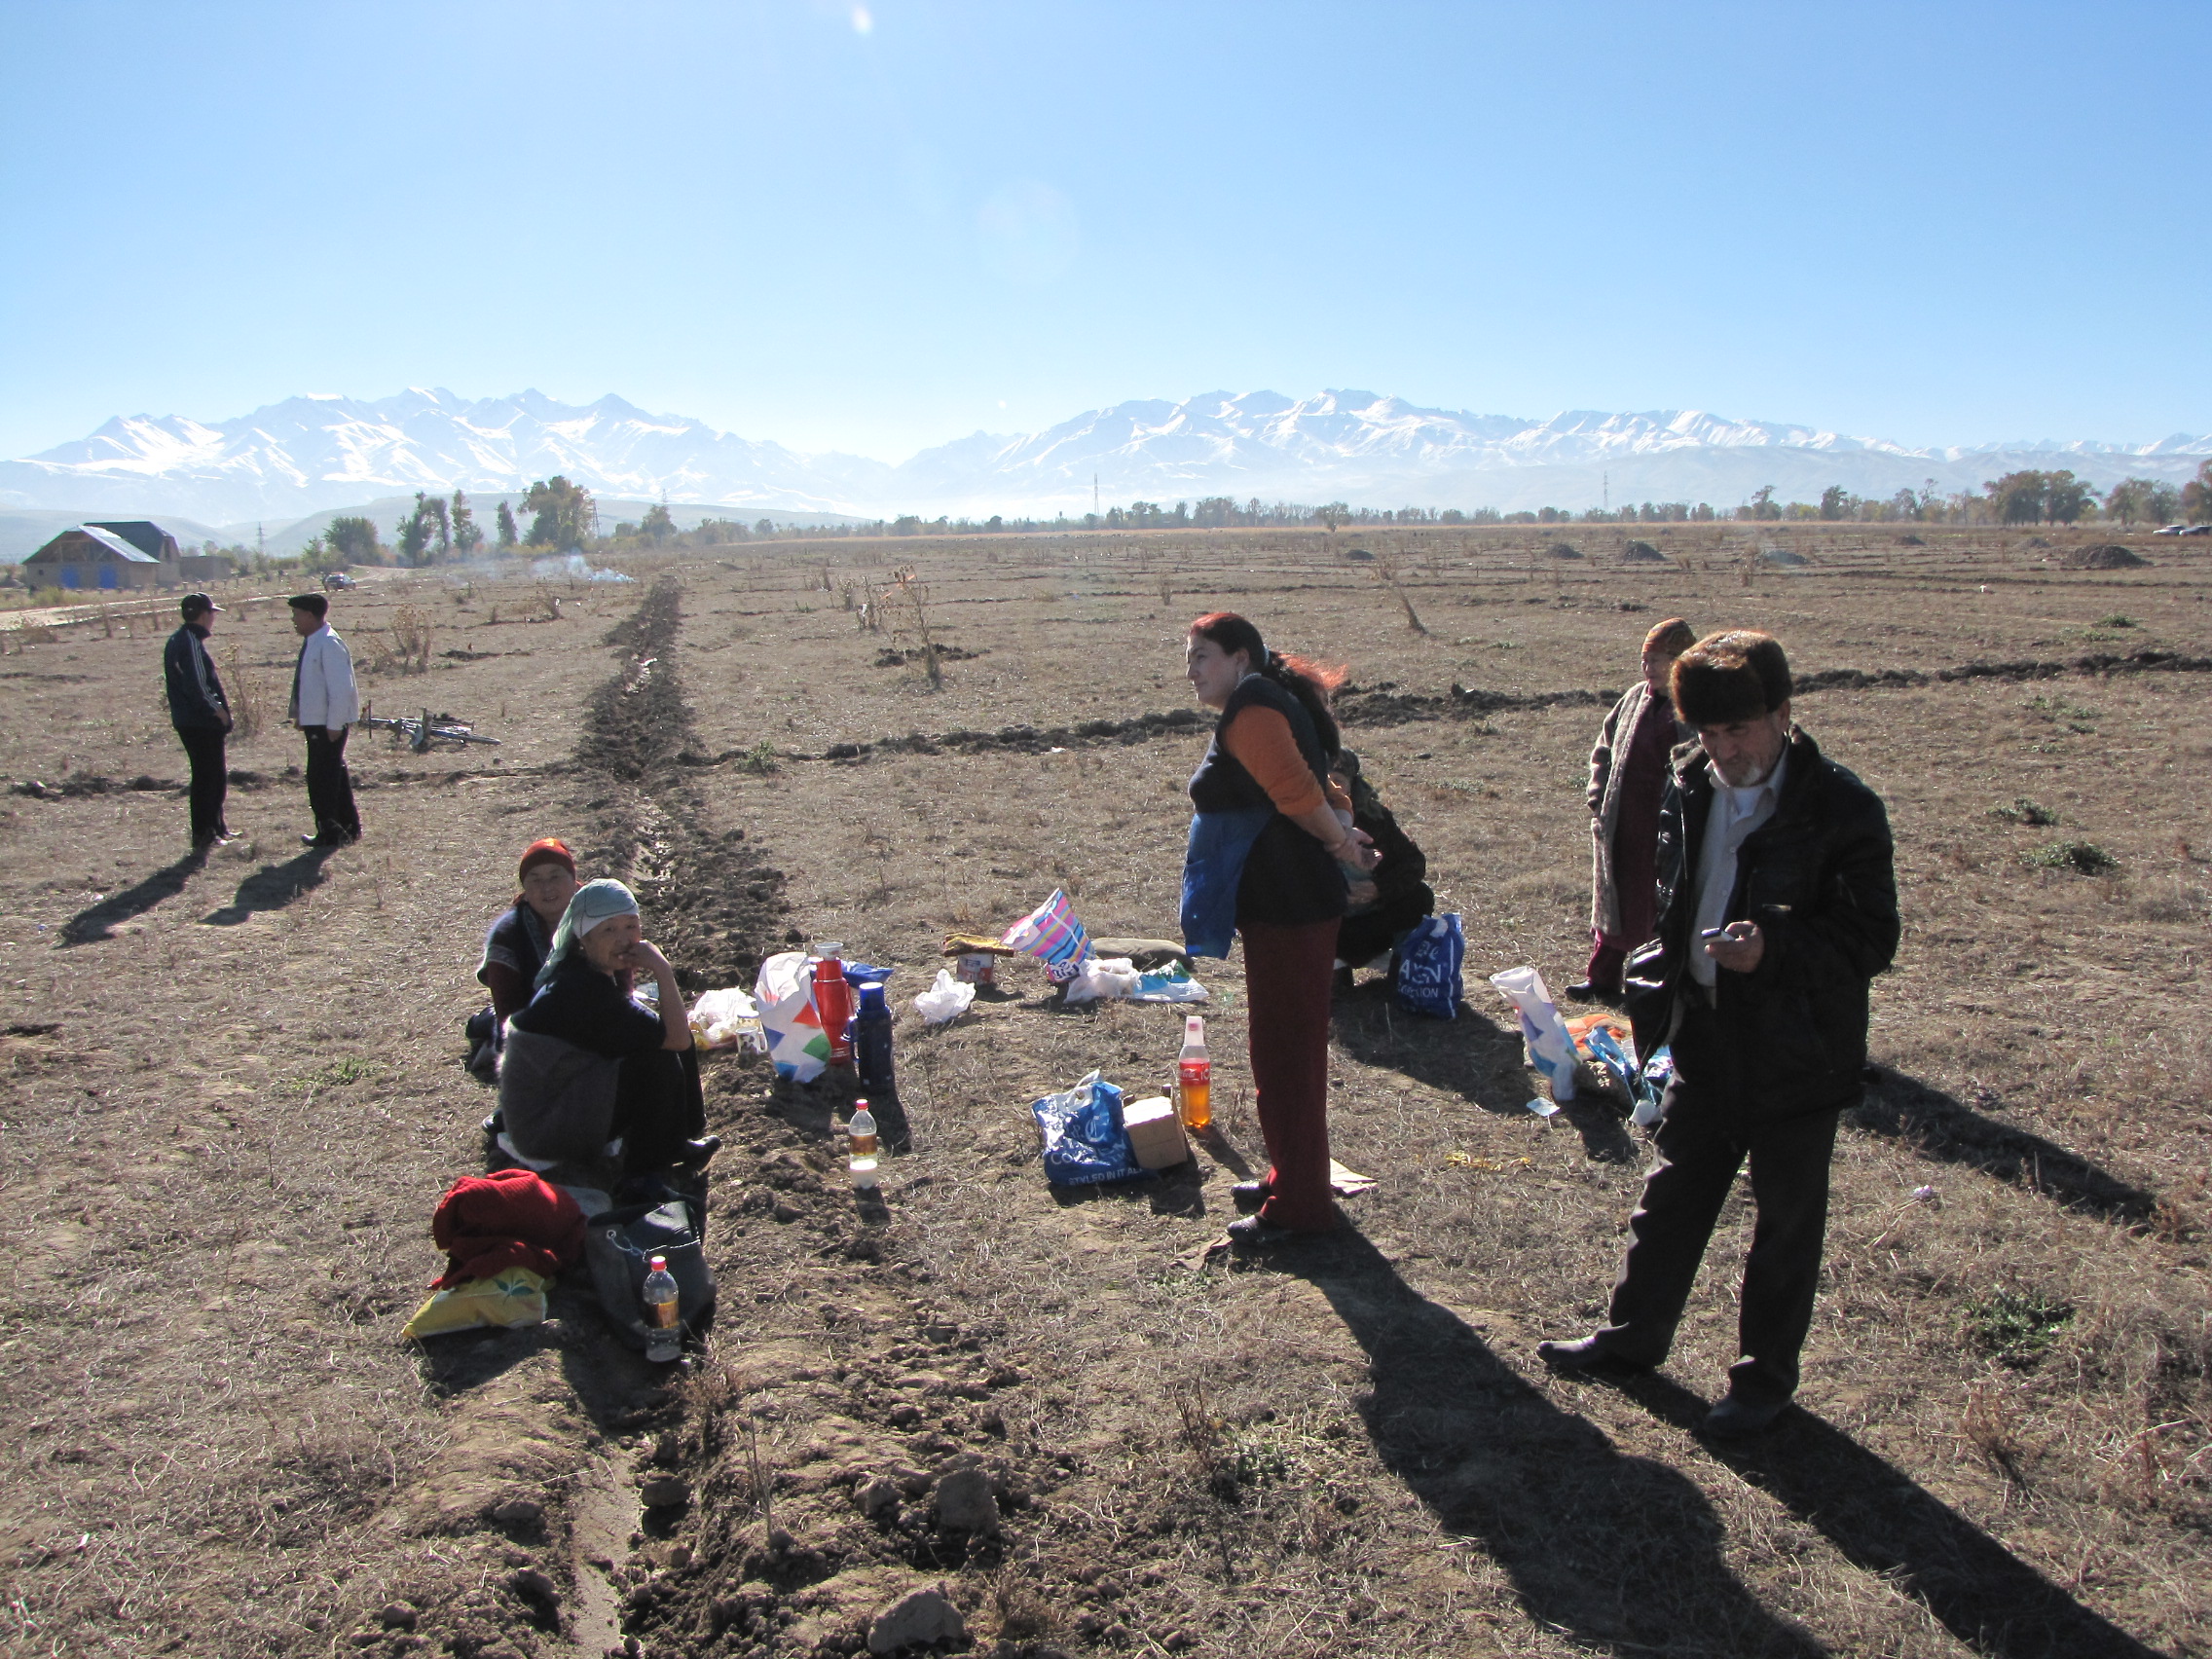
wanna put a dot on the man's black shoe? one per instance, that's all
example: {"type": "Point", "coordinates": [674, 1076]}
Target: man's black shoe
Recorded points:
{"type": "Point", "coordinates": [1583, 990]}
{"type": "Point", "coordinates": [1734, 1418]}
{"type": "Point", "coordinates": [1588, 1356]}
{"type": "Point", "coordinates": [1251, 1195]}
{"type": "Point", "coordinates": [496, 1125]}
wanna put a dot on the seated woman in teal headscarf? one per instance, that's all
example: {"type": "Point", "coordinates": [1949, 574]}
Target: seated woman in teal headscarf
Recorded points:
{"type": "Point", "coordinates": [587, 1065]}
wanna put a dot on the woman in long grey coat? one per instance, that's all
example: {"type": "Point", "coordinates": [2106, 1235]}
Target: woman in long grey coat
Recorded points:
{"type": "Point", "coordinates": [1628, 779]}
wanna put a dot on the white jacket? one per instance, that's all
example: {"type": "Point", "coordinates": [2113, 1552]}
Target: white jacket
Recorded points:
{"type": "Point", "coordinates": [326, 696]}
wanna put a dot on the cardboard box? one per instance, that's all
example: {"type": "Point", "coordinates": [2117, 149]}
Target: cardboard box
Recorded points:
{"type": "Point", "coordinates": [1155, 1134]}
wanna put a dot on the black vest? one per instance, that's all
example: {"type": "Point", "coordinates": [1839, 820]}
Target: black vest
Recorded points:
{"type": "Point", "coordinates": [1289, 878]}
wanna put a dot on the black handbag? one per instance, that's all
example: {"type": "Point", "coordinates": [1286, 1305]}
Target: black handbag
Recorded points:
{"type": "Point", "coordinates": [620, 1245]}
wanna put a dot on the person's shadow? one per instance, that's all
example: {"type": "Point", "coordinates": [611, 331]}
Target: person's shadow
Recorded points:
{"type": "Point", "coordinates": [1614, 1552]}
{"type": "Point", "coordinates": [99, 921]}
{"type": "Point", "coordinates": [272, 887]}
{"type": "Point", "coordinates": [1887, 1524]}
{"type": "Point", "coordinates": [1939, 1125]}
{"type": "Point", "coordinates": [1471, 1056]}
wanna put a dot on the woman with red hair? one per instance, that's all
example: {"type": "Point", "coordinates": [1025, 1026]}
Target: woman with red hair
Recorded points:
{"type": "Point", "coordinates": [1268, 859]}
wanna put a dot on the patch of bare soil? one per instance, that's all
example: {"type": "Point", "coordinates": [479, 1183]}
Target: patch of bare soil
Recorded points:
{"type": "Point", "coordinates": [231, 1097]}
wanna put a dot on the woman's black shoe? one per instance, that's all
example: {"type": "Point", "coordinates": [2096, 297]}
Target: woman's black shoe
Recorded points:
{"type": "Point", "coordinates": [1582, 991]}
{"type": "Point", "coordinates": [1251, 1195]}
{"type": "Point", "coordinates": [695, 1152]}
{"type": "Point", "coordinates": [496, 1124]}
{"type": "Point", "coordinates": [1250, 1233]}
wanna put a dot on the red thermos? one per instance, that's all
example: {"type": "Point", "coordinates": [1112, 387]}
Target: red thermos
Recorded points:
{"type": "Point", "coordinates": [834, 1004]}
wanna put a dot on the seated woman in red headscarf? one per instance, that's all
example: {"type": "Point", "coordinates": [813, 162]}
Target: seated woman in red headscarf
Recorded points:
{"type": "Point", "coordinates": [515, 948]}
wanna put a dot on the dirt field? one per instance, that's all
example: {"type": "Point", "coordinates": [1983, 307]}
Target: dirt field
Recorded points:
{"type": "Point", "coordinates": [231, 1095]}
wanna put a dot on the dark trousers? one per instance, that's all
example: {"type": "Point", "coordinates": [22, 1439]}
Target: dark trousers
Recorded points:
{"type": "Point", "coordinates": [658, 1106]}
{"type": "Point", "coordinates": [1636, 889]}
{"type": "Point", "coordinates": [1703, 1140]}
{"type": "Point", "coordinates": [330, 789]}
{"type": "Point", "coordinates": [210, 780]}
{"type": "Point", "coordinates": [1287, 974]}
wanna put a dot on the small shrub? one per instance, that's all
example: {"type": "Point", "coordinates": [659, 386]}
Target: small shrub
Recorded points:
{"type": "Point", "coordinates": [2024, 811]}
{"type": "Point", "coordinates": [249, 696]}
{"type": "Point", "coordinates": [2016, 1326]}
{"type": "Point", "coordinates": [759, 759]}
{"type": "Point", "coordinates": [2118, 622]}
{"type": "Point", "coordinates": [2084, 857]}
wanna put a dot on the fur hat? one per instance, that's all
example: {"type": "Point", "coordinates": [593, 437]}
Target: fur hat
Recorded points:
{"type": "Point", "coordinates": [1736, 675]}
{"type": "Point", "coordinates": [1671, 637]}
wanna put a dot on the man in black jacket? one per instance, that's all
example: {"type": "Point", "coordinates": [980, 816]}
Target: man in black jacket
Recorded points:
{"type": "Point", "coordinates": [202, 715]}
{"type": "Point", "coordinates": [1776, 905]}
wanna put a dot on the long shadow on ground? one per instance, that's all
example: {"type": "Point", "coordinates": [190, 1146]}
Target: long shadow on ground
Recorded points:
{"type": "Point", "coordinates": [272, 887]}
{"type": "Point", "coordinates": [98, 921]}
{"type": "Point", "coordinates": [1886, 1523]}
{"type": "Point", "coordinates": [1470, 1057]}
{"type": "Point", "coordinates": [1618, 1553]}
{"type": "Point", "coordinates": [1941, 1126]}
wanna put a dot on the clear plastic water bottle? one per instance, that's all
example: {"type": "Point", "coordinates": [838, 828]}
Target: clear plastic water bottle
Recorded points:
{"type": "Point", "coordinates": [1194, 1076]}
{"type": "Point", "coordinates": [861, 1147]}
{"type": "Point", "coordinates": [664, 1343]}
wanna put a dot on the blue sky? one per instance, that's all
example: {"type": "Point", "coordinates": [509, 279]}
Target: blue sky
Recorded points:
{"type": "Point", "coordinates": [879, 229]}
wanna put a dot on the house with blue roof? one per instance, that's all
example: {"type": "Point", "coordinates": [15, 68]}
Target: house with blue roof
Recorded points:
{"type": "Point", "coordinates": [126, 553]}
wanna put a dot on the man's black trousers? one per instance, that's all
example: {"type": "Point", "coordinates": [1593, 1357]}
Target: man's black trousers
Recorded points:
{"type": "Point", "coordinates": [210, 780]}
{"type": "Point", "coordinates": [1704, 1138]}
{"type": "Point", "coordinates": [330, 789]}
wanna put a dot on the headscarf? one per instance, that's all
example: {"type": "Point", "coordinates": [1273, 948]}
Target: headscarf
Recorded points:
{"type": "Point", "coordinates": [551, 850]}
{"type": "Point", "coordinates": [595, 902]}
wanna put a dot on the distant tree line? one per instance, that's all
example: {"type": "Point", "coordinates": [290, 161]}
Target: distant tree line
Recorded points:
{"type": "Point", "coordinates": [563, 517]}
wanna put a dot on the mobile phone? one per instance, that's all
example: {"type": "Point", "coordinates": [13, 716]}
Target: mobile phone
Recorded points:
{"type": "Point", "coordinates": [1713, 932]}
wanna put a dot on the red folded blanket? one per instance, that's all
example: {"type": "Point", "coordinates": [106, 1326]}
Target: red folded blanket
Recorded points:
{"type": "Point", "coordinates": [510, 1218]}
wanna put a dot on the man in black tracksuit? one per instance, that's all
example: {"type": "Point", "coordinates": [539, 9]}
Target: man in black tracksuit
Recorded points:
{"type": "Point", "coordinates": [1776, 905]}
{"type": "Point", "coordinates": [202, 715]}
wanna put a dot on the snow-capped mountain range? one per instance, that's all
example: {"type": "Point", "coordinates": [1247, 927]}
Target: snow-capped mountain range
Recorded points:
{"type": "Point", "coordinates": [311, 454]}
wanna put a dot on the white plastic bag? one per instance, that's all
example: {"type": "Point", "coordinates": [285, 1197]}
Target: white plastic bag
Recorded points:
{"type": "Point", "coordinates": [1103, 978]}
{"type": "Point", "coordinates": [1551, 1050]}
{"type": "Point", "coordinates": [723, 1018]}
{"type": "Point", "coordinates": [798, 1046]}
{"type": "Point", "coordinates": [944, 1001]}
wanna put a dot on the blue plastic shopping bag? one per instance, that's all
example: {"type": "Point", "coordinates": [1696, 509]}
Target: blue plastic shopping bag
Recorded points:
{"type": "Point", "coordinates": [1084, 1142]}
{"type": "Point", "coordinates": [1428, 977]}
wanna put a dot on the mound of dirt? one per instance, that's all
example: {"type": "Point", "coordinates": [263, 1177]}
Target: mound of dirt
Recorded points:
{"type": "Point", "coordinates": [1910, 541]}
{"type": "Point", "coordinates": [1562, 550]}
{"type": "Point", "coordinates": [1642, 553]}
{"type": "Point", "coordinates": [2111, 556]}
{"type": "Point", "coordinates": [1359, 553]}
{"type": "Point", "coordinates": [1781, 556]}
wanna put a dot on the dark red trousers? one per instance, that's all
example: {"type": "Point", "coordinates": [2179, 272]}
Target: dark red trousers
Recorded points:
{"type": "Point", "coordinates": [1287, 976]}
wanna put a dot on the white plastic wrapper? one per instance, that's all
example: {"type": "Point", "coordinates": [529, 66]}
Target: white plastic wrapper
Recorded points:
{"type": "Point", "coordinates": [944, 1001]}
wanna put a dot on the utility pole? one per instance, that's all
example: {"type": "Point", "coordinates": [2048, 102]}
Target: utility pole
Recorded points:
{"type": "Point", "coordinates": [1094, 494]}
{"type": "Point", "coordinates": [1607, 483]}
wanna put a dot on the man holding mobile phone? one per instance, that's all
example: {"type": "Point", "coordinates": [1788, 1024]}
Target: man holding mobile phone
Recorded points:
{"type": "Point", "coordinates": [1776, 905]}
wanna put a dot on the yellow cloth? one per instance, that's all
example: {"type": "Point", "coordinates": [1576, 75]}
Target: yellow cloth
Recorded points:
{"type": "Point", "coordinates": [513, 1296]}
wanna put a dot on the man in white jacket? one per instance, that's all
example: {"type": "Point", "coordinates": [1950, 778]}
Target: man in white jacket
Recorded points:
{"type": "Point", "coordinates": [324, 706]}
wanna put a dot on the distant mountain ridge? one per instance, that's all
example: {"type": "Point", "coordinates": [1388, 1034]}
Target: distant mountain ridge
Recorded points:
{"type": "Point", "coordinates": [313, 454]}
